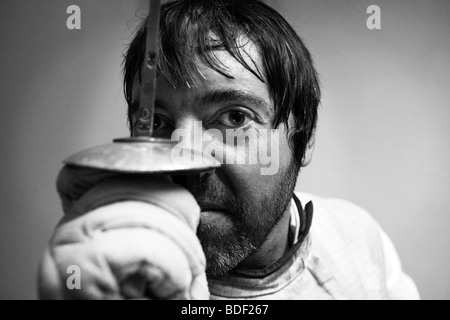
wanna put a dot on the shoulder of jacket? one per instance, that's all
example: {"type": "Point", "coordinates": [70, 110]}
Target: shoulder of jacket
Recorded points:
{"type": "Point", "coordinates": [347, 242]}
{"type": "Point", "coordinates": [341, 217]}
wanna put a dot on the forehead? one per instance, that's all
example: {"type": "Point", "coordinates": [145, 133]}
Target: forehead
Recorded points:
{"type": "Point", "coordinates": [240, 77]}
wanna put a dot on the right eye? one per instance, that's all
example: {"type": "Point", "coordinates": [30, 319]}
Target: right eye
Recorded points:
{"type": "Point", "coordinates": [160, 123]}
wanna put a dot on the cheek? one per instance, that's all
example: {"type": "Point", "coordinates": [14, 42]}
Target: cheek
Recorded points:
{"type": "Point", "coordinates": [248, 183]}
{"type": "Point", "coordinates": [250, 178]}
{"type": "Point", "coordinates": [286, 154]}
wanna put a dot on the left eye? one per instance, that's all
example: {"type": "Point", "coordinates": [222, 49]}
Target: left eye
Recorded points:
{"type": "Point", "coordinates": [234, 118]}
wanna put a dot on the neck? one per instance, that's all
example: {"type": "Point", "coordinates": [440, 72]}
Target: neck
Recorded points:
{"type": "Point", "coordinates": [273, 248]}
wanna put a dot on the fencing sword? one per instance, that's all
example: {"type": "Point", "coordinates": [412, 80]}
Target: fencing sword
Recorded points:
{"type": "Point", "coordinates": [143, 153]}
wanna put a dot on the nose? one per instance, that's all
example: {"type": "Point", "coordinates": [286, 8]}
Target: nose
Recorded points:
{"type": "Point", "coordinates": [190, 134]}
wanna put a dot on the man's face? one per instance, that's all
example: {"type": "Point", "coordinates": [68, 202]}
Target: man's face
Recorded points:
{"type": "Point", "coordinates": [240, 206]}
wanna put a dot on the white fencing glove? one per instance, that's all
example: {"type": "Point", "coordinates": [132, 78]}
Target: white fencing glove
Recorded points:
{"type": "Point", "coordinates": [131, 236]}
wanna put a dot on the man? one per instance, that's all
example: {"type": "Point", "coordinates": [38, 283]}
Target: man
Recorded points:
{"type": "Point", "coordinates": [238, 65]}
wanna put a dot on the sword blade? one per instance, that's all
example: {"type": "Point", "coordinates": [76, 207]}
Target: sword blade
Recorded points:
{"type": "Point", "coordinates": [146, 111]}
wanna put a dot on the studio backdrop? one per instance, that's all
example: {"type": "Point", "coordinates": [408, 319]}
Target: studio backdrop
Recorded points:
{"type": "Point", "coordinates": [382, 139]}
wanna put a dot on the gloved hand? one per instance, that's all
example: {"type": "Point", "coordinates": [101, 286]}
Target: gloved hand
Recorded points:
{"type": "Point", "coordinates": [132, 237]}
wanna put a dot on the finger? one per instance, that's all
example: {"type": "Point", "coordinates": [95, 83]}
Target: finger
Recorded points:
{"type": "Point", "coordinates": [133, 215]}
{"type": "Point", "coordinates": [125, 264]}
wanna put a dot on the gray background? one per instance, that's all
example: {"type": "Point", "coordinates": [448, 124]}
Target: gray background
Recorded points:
{"type": "Point", "coordinates": [382, 141]}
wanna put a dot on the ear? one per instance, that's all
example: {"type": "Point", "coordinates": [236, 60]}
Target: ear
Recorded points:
{"type": "Point", "coordinates": [309, 150]}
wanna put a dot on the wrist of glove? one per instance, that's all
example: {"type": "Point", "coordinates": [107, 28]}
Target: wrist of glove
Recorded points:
{"type": "Point", "coordinates": [131, 237]}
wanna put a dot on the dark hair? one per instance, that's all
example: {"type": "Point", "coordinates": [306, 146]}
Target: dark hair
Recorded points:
{"type": "Point", "coordinates": [196, 28]}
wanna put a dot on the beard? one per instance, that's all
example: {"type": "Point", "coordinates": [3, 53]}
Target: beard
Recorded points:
{"type": "Point", "coordinates": [243, 225]}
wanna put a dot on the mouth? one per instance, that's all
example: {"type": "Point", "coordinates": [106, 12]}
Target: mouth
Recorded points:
{"type": "Point", "coordinates": [211, 207]}
{"type": "Point", "coordinates": [213, 214]}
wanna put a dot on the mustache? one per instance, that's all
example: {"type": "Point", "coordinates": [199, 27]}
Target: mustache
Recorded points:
{"type": "Point", "coordinates": [213, 192]}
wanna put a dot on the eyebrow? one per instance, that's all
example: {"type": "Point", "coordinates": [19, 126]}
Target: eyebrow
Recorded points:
{"type": "Point", "coordinates": [232, 95]}
{"type": "Point", "coordinates": [218, 96]}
